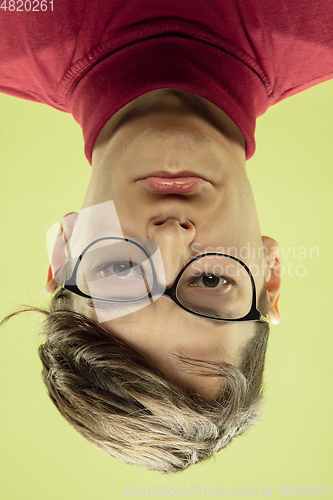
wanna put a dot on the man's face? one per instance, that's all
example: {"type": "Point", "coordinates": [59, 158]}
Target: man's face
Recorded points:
{"type": "Point", "coordinates": [174, 133]}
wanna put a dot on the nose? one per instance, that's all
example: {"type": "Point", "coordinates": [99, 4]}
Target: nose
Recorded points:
{"type": "Point", "coordinates": [174, 238]}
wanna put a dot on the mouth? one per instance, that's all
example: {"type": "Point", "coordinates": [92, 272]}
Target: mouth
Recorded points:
{"type": "Point", "coordinates": [173, 185]}
{"type": "Point", "coordinates": [167, 183]}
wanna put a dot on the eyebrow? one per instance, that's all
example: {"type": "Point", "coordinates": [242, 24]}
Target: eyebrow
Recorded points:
{"type": "Point", "coordinates": [102, 305]}
{"type": "Point", "coordinates": [214, 322]}
{"type": "Point", "coordinates": [207, 311]}
{"type": "Point", "coordinates": [200, 309]}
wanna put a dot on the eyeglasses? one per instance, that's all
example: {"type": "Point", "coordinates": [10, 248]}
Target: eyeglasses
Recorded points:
{"type": "Point", "coordinates": [121, 272]}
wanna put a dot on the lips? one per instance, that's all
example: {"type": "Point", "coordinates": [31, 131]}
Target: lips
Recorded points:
{"type": "Point", "coordinates": [166, 183]}
{"type": "Point", "coordinates": [173, 185]}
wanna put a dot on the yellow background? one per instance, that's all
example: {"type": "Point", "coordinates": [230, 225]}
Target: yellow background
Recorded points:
{"type": "Point", "coordinates": [44, 175]}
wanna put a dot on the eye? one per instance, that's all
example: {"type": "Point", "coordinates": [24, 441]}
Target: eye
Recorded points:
{"type": "Point", "coordinates": [210, 281]}
{"type": "Point", "coordinates": [120, 269]}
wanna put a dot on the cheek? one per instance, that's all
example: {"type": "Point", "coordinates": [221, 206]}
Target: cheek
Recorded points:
{"type": "Point", "coordinates": [132, 215]}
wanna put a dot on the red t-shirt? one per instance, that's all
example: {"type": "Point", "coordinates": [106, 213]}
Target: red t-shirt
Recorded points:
{"type": "Point", "coordinates": [92, 58]}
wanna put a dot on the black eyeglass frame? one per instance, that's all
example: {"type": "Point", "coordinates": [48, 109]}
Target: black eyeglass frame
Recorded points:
{"type": "Point", "coordinates": [253, 314]}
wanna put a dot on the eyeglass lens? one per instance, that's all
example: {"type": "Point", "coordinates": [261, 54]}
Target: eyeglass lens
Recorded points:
{"type": "Point", "coordinates": [216, 286]}
{"type": "Point", "coordinates": [117, 271]}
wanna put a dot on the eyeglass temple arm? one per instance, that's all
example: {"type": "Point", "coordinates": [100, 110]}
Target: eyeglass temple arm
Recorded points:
{"type": "Point", "coordinates": [264, 319]}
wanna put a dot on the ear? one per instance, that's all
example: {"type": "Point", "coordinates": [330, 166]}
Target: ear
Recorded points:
{"type": "Point", "coordinates": [58, 258]}
{"type": "Point", "coordinates": [51, 284]}
{"type": "Point", "coordinates": [273, 279]}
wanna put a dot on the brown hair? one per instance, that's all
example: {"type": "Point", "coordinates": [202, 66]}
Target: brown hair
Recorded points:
{"type": "Point", "coordinates": [125, 407]}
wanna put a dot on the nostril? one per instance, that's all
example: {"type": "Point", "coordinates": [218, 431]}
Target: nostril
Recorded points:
{"type": "Point", "coordinates": [187, 224]}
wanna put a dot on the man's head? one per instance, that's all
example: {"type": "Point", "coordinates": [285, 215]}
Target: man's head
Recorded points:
{"type": "Point", "coordinates": [173, 132]}
{"type": "Point", "coordinates": [161, 387]}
